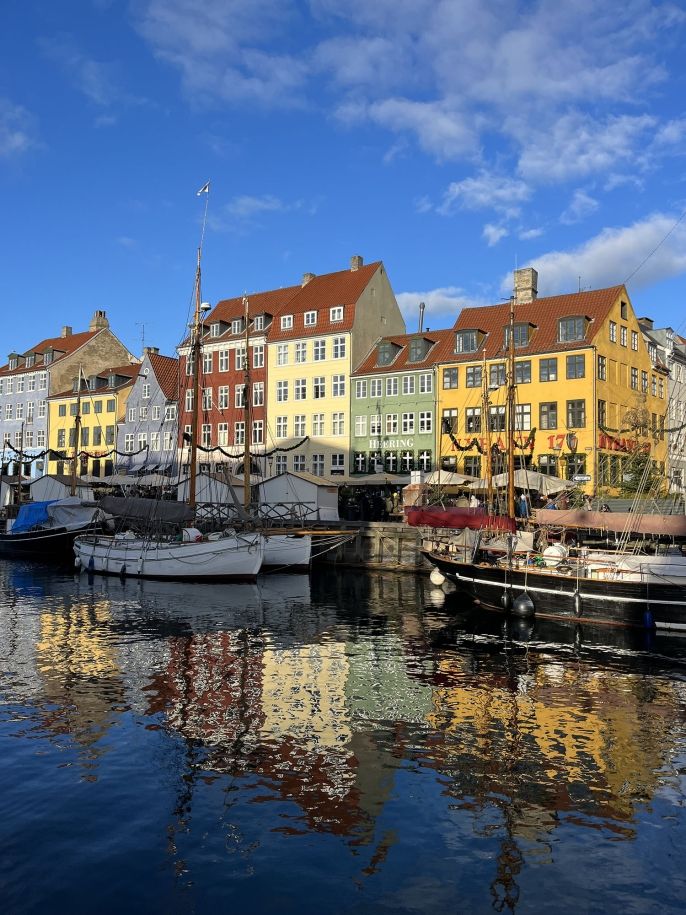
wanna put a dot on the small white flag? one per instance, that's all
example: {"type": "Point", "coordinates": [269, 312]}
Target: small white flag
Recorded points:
{"type": "Point", "coordinates": [205, 189]}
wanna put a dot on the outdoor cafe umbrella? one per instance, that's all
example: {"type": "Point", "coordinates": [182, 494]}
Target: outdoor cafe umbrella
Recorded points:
{"type": "Point", "coordinates": [526, 479]}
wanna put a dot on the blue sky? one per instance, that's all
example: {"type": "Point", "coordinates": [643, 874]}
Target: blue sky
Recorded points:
{"type": "Point", "coordinates": [452, 139]}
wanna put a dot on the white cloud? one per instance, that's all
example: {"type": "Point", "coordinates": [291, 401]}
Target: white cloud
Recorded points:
{"type": "Point", "coordinates": [95, 79]}
{"type": "Point", "coordinates": [527, 234]}
{"type": "Point", "coordinates": [485, 191]}
{"type": "Point", "coordinates": [493, 234]}
{"type": "Point", "coordinates": [17, 130]}
{"type": "Point", "coordinates": [126, 242]}
{"type": "Point", "coordinates": [442, 306]}
{"type": "Point", "coordinates": [580, 206]}
{"type": "Point", "coordinates": [613, 255]}
{"type": "Point", "coordinates": [245, 207]}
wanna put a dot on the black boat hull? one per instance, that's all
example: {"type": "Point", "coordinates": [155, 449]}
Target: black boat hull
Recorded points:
{"type": "Point", "coordinates": [49, 545]}
{"type": "Point", "coordinates": [558, 596]}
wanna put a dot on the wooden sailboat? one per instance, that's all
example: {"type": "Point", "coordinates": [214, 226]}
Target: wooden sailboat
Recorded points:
{"type": "Point", "coordinates": [504, 572]}
{"type": "Point", "coordinates": [161, 540]}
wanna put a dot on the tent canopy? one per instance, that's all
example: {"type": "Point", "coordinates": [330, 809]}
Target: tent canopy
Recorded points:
{"type": "Point", "coordinates": [447, 478]}
{"type": "Point", "coordinates": [527, 479]}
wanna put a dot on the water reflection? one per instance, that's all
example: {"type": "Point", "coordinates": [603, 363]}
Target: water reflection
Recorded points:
{"type": "Point", "coordinates": [352, 707]}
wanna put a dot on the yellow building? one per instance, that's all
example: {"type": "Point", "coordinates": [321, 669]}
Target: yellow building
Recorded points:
{"type": "Point", "coordinates": [99, 406]}
{"type": "Point", "coordinates": [589, 397]}
{"type": "Point", "coordinates": [325, 330]}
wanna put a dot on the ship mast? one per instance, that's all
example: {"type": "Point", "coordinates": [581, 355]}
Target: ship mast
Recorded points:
{"type": "Point", "coordinates": [246, 406]}
{"type": "Point", "coordinates": [77, 433]}
{"type": "Point", "coordinates": [511, 392]}
{"type": "Point", "coordinates": [195, 354]}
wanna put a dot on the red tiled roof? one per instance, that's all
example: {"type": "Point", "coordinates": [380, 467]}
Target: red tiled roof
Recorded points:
{"type": "Point", "coordinates": [64, 345]}
{"type": "Point", "coordinates": [542, 314]}
{"type": "Point", "coordinates": [166, 369]}
{"type": "Point", "coordinates": [320, 294]}
{"type": "Point", "coordinates": [259, 303]}
{"type": "Point", "coordinates": [436, 337]}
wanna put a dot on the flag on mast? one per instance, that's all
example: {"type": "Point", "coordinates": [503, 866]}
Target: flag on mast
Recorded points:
{"type": "Point", "coordinates": [205, 189]}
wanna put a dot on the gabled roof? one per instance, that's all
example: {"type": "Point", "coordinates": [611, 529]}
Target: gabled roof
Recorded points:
{"type": "Point", "coordinates": [63, 346]}
{"type": "Point", "coordinates": [436, 338]}
{"type": "Point", "coordinates": [259, 303]}
{"type": "Point", "coordinates": [321, 294]}
{"type": "Point", "coordinates": [166, 370]}
{"type": "Point", "coordinates": [543, 314]}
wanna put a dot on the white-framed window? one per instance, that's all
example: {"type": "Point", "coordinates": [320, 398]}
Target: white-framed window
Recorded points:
{"type": "Point", "coordinates": [214, 329]}
{"type": "Point", "coordinates": [338, 385]}
{"type": "Point", "coordinates": [375, 387]}
{"type": "Point", "coordinates": [318, 465]}
{"type": "Point", "coordinates": [257, 436]}
{"type": "Point", "coordinates": [40, 438]}
{"type": "Point", "coordinates": [237, 325]}
{"type": "Point", "coordinates": [42, 381]}
{"type": "Point", "coordinates": [239, 396]}
{"type": "Point", "coordinates": [408, 384]}
{"type": "Point", "coordinates": [426, 421]}
{"type": "Point", "coordinates": [282, 427]}
{"type": "Point", "coordinates": [634, 341]}
{"type": "Point", "coordinates": [223, 360]}
{"type": "Point", "coordinates": [336, 313]}
{"type": "Point", "coordinates": [361, 426]}
{"type": "Point", "coordinates": [318, 387]}
{"type": "Point", "coordinates": [338, 423]}
{"type": "Point", "coordinates": [154, 441]}
{"type": "Point", "coordinates": [169, 412]}
{"type": "Point", "coordinates": [223, 434]}
{"type": "Point", "coordinates": [282, 354]}
{"type": "Point", "coordinates": [258, 394]}
{"type": "Point", "coordinates": [223, 396]}
{"type": "Point", "coordinates": [156, 412]}
{"type": "Point", "coordinates": [426, 383]}
{"type": "Point", "coordinates": [20, 384]}
{"type": "Point", "coordinates": [259, 322]}
{"type": "Point", "coordinates": [42, 409]}
{"type": "Point", "coordinates": [31, 383]}
{"type": "Point", "coordinates": [20, 410]}
{"type": "Point", "coordinates": [128, 442]}
{"type": "Point", "coordinates": [337, 463]}
{"type": "Point", "coordinates": [189, 400]}
{"type": "Point", "coordinates": [169, 439]}
{"type": "Point", "coordinates": [239, 433]}
{"type": "Point", "coordinates": [132, 410]}
{"type": "Point", "coordinates": [613, 331]}
{"type": "Point", "coordinates": [239, 358]}
{"type": "Point", "coordinates": [299, 425]}
{"type": "Point", "coordinates": [281, 391]}
{"type": "Point", "coordinates": [391, 387]}
{"type": "Point", "coordinates": [258, 356]}
{"type": "Point", "coordinates": [207, 398]}
{"type": "Point", "coordinates": [319, 350]}
{"type": "Point", "coordinates": [317, 424]}
{"type": "Point", "coordinates": [207, 362]}
{"type": "Point", "coordinates": [375, 424]}
{"type": "Point", "coordinates": [408, 423]}
{"type": "Point", "coordinates": [310, 318]}
{"type": "Point", "coordinates": [391, 424]}
{"type": "Point", "coordinates": [298, 462]}
{"type": "Point", "coordinates": [360, 390]}
{"type": "Point", "coordinates": [286, 322]}
{"type": "Point", "coordinates": [301, 389]}
{"type": "Point", "coordinates": [206, 435]}
{"type": "Point", "coordinates": [142, 412]}
{"type": "Point", "coordinates": [146, 391]}
{"type": "Point", "coordinates": [10, 385]}
{"type": "Point", "coordinates": [142, 440]}
{"type": "Point", "coordinates": [301, 352]}
{"type": "Point", "coordinates": [622, 335]}
{"type": "Point", "coordinates": [281, 463]}
{"type": "Point", "coordinates": [339, 347]}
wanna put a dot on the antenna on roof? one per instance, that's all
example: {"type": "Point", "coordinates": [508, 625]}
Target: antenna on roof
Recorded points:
{"type": "Point", "coordinates": [141, 324]}
{"type": "Point", "coordinates": [422, 306]}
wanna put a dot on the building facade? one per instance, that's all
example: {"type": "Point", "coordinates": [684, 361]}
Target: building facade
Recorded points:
{"type": "Point", "coordinates": [673, 347]}
{"type": "Point", "coordinates": [30, 378]}
{"type": "Point", "coordinates": [393, 405]}
{"type": "Point", "coordinates": [588, 394]}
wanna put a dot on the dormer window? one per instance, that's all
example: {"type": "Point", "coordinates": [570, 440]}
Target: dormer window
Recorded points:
{"type": "Point", "coordinates": [466, 341]}
{"type": "Point", "coordinates": [520, 335]}
{"type": "Point", "coordinates": [214, 329]}
{"type": "Point", "coordinates": [30, 361]}
{"type": "Point", "coordinates": [237, 325]}
{"type": "Point", "coordinates": [571, 329]}
{"type": "Point", "coordinates": [75, 386]}
{"type": "Point", "coordinates": [418, 349]}
{"type": "Point", "coordinates": [286, 322]}
{"type": "Point", "coordinates": [336, 313]}
{"type": "Point", "coordinates": [259, 322]}
{"type": "Point", "coordinates": [47, 357]}
{"type": "Point", "coordinates": [311, 318]}
{"type": "Point", "coordinates": [13, 362]}
{"type": "Point", "coordinates": [385, 354]}
{"type": "Point", "coordinates": [112, 381]}
{"type": "Point", "coordinates": [93, 383]}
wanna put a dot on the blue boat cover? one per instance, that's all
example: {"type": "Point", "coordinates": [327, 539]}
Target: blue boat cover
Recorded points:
{"type": "Point", "coordinates": [30, 515]}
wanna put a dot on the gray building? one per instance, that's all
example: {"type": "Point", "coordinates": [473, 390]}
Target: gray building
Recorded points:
{"type": "Point", "coordinates": [151, 419]}
{"type": "Point", "coordinates": [674, 348]}
{"type": "Point", "coordinates": [30, 377]}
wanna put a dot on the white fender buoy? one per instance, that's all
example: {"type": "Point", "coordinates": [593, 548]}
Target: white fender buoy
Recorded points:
{"type": "Point", "coordinates": [437, 577]}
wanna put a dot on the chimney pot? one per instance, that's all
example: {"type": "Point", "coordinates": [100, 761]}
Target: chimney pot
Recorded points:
{"type": "Point", "coordinates": [356, 262]}
{"type": "Point", "coordinates": [648, 323]}
{"type": "Point", "coordinates": [99, 321]}
{"type": "Point", "coordinates": [66, 331]}
{"type": "Point", "coordinates": [307, 277]}
{"type": "Point", "coordinates": [151, 350]}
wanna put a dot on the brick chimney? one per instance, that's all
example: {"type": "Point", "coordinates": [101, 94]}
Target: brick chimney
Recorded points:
{"type": "Point", "coordinates": [646, 323]}
{"type": "Point", "coordinates": [356, 262]}
{"type": "Point", "coordinates": [98, 321]}
{"type": "Point", "coordinates": [307, 277]}
{"type": "Point", "coordinates": [151, 350]}
{"type": "Point", "coordinates": [526, 285]}
{"type": "Point", "coordinates": [66, 331]}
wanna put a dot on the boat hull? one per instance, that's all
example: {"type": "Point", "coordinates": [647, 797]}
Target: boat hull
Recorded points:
{"type": "Point", "coordinates": [287, 552]}
{"type": "Point", "coordinates": [645, 604]}
{"type": "Point", "coordinates": [234, 558]}
{"type": "Point", "coordinates": [49, 545]}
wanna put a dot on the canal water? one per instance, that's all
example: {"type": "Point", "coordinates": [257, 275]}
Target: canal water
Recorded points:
{"type": "Point", "coordinates": [349, 743]}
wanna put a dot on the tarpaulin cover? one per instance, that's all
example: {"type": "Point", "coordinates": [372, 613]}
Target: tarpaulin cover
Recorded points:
{"type": "Point", "coordinates": [31, 515]}
{"type": "Point", "coordinates": [458, 518]}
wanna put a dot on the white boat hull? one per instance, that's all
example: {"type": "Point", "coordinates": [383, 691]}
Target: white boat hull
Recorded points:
{"type": "Point", "coordinates": [287, 551]}
{"type": "Point", "coordinates": [236, 557]}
